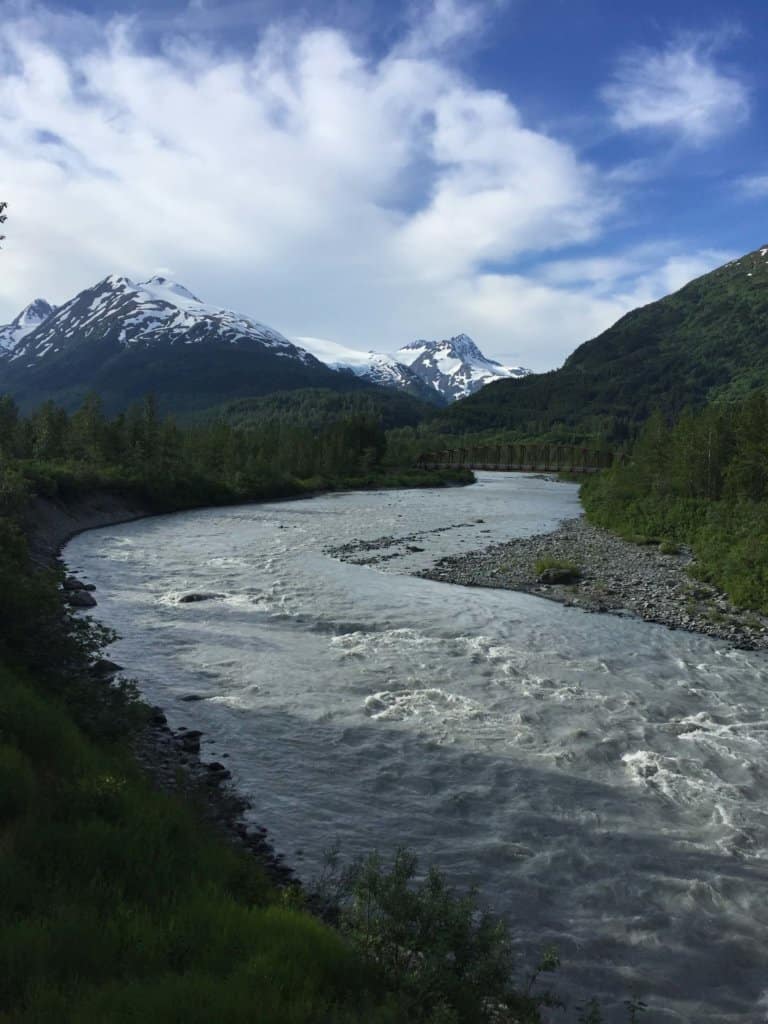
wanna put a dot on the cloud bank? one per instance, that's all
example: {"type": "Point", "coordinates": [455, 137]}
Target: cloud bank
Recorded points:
{"type": "Point", "coordinates": [323, 192]}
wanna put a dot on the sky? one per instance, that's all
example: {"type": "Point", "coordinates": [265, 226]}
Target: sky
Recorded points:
{"type": "Point", "coordinates": [368, 172]}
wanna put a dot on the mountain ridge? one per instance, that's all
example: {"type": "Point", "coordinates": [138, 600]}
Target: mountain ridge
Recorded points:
{"type": "Point", "coordinates": [707, 341]}
{"type": "Point", "coordinates": [438, 371]}
{"type": "Point", "coordinates": [455, 367]}
{"type": "Point", "coordinates": [12, 334]}
{"type": "Point", "coordinates": [123, 339]}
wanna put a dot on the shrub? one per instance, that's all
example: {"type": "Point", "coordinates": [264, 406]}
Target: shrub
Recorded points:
{"type": "Point", "coordinates": [668, 547]}
{"type": "Point", "coordinates": [548, 562]}
{"type": "Point", "coordinates": [448, 960]}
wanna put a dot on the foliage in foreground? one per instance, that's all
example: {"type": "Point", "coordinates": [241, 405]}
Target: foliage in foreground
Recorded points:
{"type": "Point", "coordinates": [702, 482]}
{"type": "Point", "coordinates": [448, 960]}
{"type": "Point", "coordinates": [117, 905]}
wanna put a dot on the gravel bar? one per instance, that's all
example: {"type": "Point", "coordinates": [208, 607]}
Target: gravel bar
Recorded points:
{"type": "Point", "coordinates": [616, 577]}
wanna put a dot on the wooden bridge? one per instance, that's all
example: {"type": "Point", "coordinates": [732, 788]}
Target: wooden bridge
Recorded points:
{"type": "Point", "coordinates": [522, 458]}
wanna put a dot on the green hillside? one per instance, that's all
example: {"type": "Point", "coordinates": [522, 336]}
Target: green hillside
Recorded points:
{"type": "Point", "coordinates": [317, 408]}
{"type": "Point", "coordinates": [706, 342]}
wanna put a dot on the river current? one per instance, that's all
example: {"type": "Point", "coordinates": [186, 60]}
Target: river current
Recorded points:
{"type": "Point", "coordinates": [601, 780]}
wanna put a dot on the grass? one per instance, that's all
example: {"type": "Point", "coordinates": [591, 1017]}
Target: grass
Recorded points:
{"type": "Point", "coordinates": [117, 904]}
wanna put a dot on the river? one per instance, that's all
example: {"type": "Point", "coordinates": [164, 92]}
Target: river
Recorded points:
{"type": "Point", "coordinates": [601, 780]}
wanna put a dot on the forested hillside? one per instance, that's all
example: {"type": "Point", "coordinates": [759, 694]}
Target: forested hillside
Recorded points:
{"type": "Point", "coordinates": [706, 342]}
{"type": "Point", "coordinates": [316, 408]}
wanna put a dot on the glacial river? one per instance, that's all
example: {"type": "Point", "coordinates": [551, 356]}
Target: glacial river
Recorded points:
{"type": "Point", "coordinates": [603, 781]}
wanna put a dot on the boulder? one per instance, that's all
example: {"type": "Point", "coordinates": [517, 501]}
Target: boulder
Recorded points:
{"type": "Point", "coordinates": [105, 667]}
{"type": "Point", "coordinates": [190, 741]}
{"type": "Point", "coordinates": [157, 716]}
{"type": "Point", "coordinates": [80, 599]}
{"type": "Point", "coordinates": [72, 583]}
{"type": "Point", "coordinates": [194, 597]}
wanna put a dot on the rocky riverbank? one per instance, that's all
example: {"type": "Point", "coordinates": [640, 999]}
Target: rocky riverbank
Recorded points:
{"type": "Point", "coordinates": [613, 575]}
{"type": "Point", "coordinates": [171, 758]}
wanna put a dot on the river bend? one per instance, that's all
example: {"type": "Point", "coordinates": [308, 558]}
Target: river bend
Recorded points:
{"type": "Point", "coordinates": [601, 779]}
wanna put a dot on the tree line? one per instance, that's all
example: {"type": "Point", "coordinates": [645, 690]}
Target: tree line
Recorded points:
{"type": "Point", "coordinates": [139, 450]}
{"type": "Point", "coordinates": [702, 481]}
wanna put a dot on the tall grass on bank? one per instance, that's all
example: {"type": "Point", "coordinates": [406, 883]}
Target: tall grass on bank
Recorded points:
{"type": "Point", "coordinates": [116, 904]}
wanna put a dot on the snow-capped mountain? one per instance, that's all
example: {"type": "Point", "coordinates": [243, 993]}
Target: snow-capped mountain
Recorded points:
{"type": "Point", "coordinates": [153, 312]}
{"type": "Point", "coordinates": [438, 371]}
{"type": "Point", "coordinates": [28, 319]}
{"type": "Point", "coordinates": [373, 367]}
{"type": "Point", "coordinates": [454, 367]}
{"type": "Point", "coordinates": [124, 339]}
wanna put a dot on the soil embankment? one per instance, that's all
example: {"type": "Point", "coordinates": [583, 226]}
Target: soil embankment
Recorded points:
{"type": "Point", "coordinates": [50, 522]}
{"type": "Point", "coordinates": [615, 576]}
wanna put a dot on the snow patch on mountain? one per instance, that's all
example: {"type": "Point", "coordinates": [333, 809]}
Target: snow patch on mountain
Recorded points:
{"type": "Point", "coordinates": [27, 321]}
{"type": "Point", "coordinates": [376, 367]}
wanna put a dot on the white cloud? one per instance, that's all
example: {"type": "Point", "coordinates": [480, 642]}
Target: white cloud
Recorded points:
{"type": "Point", "coordinates": [573, 300]}
{"type": "Point", "coordinates": [754, 186]}
{"type": "Point", "coordinates": [325, 194]}
{"type": "Point", "coordinates": [439, 25]}
{"type": "Point", "coordinates": [679, 90]}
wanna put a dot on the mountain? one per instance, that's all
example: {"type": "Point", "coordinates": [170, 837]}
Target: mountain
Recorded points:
{"type": "Point", "coordinates": [373, 367]}
{"type": "Point", "coordinates": [123, 340]}
{"type": "Point", "coordinates": [12, 334]}
{"type": "Point", "coordinates": [454, 367]}
{"type": "Point", "coordinates": [436, 371]}
{"type": "Point", "coordinates": [706, 342]}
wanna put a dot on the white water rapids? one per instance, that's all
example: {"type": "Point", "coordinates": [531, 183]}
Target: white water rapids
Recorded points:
{"type": "Point", "coordinates": [600, 779]}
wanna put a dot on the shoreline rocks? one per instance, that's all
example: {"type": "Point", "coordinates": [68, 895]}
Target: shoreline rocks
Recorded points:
{"type": "Point", "coordinates": [615, 576]}
{"type": "Point", "coordinates": [171, 759]}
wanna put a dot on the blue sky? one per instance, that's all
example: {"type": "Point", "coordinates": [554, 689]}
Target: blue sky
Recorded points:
{"type": "Point", "coordinates": [524, 171]}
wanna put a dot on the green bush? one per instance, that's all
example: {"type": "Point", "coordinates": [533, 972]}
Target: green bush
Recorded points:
{"type": "Point", "coordinates": [668, 547]}
{"type": "Point", "coordinates": [549, 562]}
{"type": "Point", "coordinates": [448, 960]}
